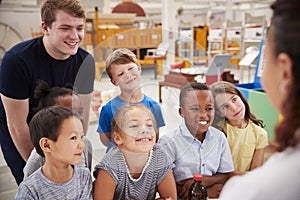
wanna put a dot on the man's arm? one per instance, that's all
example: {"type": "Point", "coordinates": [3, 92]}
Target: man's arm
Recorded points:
{"type": "Point", "coordinates": [86, 104]}
{"type": "Point", "coordinates": [16, 115]}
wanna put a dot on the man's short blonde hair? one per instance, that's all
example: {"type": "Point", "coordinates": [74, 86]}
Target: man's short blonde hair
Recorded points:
{"type": "Point", "coordinates": [49, 7]}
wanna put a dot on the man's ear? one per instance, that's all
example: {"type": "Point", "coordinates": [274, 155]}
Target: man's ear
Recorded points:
{"type": "Point", "coordinates": [117, 138]}
{"type": "Point", "coordinates": [45, 144]}
{"type": "Point", "coordinates": [45, 28]}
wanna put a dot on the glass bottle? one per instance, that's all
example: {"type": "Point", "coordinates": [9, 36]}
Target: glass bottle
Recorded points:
{"type": "Point", "coordinates": [197, 190]}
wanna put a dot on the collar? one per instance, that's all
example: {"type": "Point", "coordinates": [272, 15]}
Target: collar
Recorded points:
{"type": "Point", "coordinates": [184, 131]}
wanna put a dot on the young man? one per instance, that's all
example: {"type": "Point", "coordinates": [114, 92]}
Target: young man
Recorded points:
{"type": "Point", "coordinates": [197, 147]}
{"type": "Point", "coordinates": [55, 58]}
{"type": "Point", "coordinates": [124, 71]}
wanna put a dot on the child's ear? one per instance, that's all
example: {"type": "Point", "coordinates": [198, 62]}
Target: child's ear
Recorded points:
{"type": "Point", "coordinates": [45, 144]}
{"type": "Point", "coordinates": [113, 82]}
{"type": "Point", "coordinates": [117, 138]}
{"type": "Point", "coordinates": [139, 68]}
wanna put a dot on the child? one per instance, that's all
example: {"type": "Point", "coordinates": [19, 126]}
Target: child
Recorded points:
{"type": "Point", "coordinates": [124, 71]}
{"type": "Point", "coordinates": [195, 146]}
{"type": "Point", "coordinates": [56, 133]}
{"type": "Point", "coordinates": [137, 167]}
{"type": "Point", "coordinates": [245, 134]}
{"type": "Point", "coordinates": [63, 96]}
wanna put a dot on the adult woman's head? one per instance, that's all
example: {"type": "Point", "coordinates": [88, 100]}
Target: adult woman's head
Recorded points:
{"type": "Point", "coordinates": [281, 77]}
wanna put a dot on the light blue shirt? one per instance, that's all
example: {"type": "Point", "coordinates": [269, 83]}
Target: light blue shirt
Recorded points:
{"type": "Point", "coordinates": [190, 156]}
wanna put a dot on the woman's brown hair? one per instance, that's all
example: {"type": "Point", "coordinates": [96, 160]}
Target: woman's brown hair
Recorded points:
{"type": "Point", "coordinates": [284, 33]}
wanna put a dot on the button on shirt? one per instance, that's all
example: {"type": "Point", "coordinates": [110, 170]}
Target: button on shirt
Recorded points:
{"type": "Point", "coordinates": [190, 156]}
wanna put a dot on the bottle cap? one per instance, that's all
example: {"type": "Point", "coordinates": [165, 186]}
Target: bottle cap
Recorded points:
{"type": "Point", "coordinates": [198, 177]}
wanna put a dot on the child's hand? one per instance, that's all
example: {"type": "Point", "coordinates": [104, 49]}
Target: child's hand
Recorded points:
{"type": "Point", "coordinates": [168, 198]}
{"type": "Point", "coordinates": [214, 190]}
{"type": "Point", "coordinates": [183, 188]}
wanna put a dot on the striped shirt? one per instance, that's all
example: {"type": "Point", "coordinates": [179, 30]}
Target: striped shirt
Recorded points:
{"type": "Point", "coordinates": [156, 169]}
{"type": "Point", "coordinates": [37, 186]}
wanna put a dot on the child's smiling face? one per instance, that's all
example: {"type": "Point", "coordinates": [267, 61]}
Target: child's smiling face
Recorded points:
{"type": "Point", "coordinates": [230, 106]}
{"type": "Point", "coordinates": [69, 145]}
{"type": "Point", "coordinates": [138, 132]}
{"type": "Point", "coordinates": [126, 76]}
{"type": "Point", "coordinates": [198, 110]}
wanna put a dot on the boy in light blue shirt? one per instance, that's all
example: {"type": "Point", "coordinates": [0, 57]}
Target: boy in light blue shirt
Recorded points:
{"type": "Point", "coordinates": [124, 71]}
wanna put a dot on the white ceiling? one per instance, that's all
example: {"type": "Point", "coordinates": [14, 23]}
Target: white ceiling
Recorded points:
{"type": "Point", "coordinates": [191, 8]}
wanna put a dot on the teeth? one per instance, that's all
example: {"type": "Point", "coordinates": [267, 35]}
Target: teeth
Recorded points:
{"type": "Point", "coordinates": [202, 122]}
{"type": "Point", "coordinates": [72, 43]}
{"type": "Point", "coordinates": [143, 140]}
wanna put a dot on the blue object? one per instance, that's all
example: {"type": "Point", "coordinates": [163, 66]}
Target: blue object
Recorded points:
{"type": "Point", "coordinates": [258, 100]}
{"type": "Point", "coordinates": [256, 85]}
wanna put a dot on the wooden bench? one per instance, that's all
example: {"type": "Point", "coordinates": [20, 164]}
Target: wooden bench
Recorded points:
{"type": "Point", "coordinates": [168, 84]}
{"type": "Point", "coordinates": [175, 79]}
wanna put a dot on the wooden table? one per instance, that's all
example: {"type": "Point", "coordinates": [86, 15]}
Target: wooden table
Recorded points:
{"type": "Point", "coordinates": [176, 79]}
{"type": "Point", "coordinates": [155, 59]}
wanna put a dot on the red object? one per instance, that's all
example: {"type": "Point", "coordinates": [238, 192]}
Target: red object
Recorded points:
{"type": "Point", "coordinates": [198, 177]}
{"type": "Point", "coordinates": [129, 7]}
{"type": "Point", "coordinates": [197, 190]}
{"type": "Point", "coordinates": [210, 79]}
{"type": "Point", "coordinates": [177, 65]}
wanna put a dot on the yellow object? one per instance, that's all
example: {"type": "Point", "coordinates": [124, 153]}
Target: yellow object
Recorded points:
{"type": "Point", "coordinates": [100, 67]}
{"type": "Point", "coordinates": [280, 118]}
{"type": "Point", "coordinates": [243, 142]}
{"type": "Point", "coordinates": [186, 64]}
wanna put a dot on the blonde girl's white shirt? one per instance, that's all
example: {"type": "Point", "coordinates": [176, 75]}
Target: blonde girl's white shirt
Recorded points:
{"type": "Point", "coordinates": [244, 142]}
{"type": "Point", "coordinates": [277, 179]}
